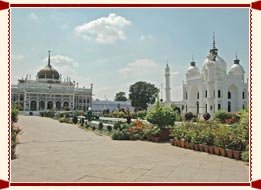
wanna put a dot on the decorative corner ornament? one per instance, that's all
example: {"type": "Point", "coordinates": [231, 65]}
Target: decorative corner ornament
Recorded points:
{"type": "Point", "coordinates": [256, 5]}
{"type": "Point", "coordinates": [4, 5]}
{"type": "Point", "coordinates": [256, 184]}
{"type": "Point", "coordinates": [4, 184]}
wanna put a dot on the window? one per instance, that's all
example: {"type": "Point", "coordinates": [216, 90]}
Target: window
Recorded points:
{"type": "Point", "coordinates": [186, 96]}
{"type": "Point", "coordinates": [198, 95]}
{"type": "Point", "coordinates": [229, 106]}
{"type": "Point", "coordinates": [214, 93]}
{"type": "Point", "coordinates": [219, 106]}
{"type": "Point", "coordinates": [229, 95]}
{"type": "Point", "coordinates": [243, 95]}
{"type": "Point", "coordinates": [197, 107]}
{"type": "Point", "coordinates": [206, 93]}
{"type": "Point", "coordinates": [219, 93]}
{"type": "Point", "coordinates": [243, 106]}
{"type": "Point", "coordinates": [206, 108]}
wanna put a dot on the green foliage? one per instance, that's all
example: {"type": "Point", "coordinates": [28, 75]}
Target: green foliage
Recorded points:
{"type": "Point", "coordinates": [161, 116]}
{"type": "Point", "coordinates": [188, 116]}
{"type": "Point", "coordinates": [109, 128]}
{"type": "Point", "coordinates": [206, 116]}
{"type": "Point", "coordinates": [120, 135]}
{"type": "Point", "coordinates": [221, 115]}
{"type": "Point", "coordinates": [142, 114]}
{"type": "Point", "coordinates": [100, 126]}
{"type": "Point", "coordinates": [245, 154]}
{"type": "Point", "coordinates": [142, 93]}
{"type": "Point", "coordinates": [75, 119]}
{"type": "Point", "coordinates": [120, 96]}
{"type": "Point", "coordinates": [14, 114]}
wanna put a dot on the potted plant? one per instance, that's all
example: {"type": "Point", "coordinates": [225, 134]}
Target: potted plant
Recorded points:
{"type": "Point", "coordinates": [155, 131]}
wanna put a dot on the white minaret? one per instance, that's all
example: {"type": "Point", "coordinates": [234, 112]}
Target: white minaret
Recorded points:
{"type": "Point", "coordinates": [167, 77]}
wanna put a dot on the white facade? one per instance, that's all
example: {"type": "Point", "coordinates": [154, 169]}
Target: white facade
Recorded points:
{"type": "Point", "coordinates": [49, 92]}
{"type": "Point", "coordinates": [110, 106]}
{"type": "Point", "coordinates": [213, 88]}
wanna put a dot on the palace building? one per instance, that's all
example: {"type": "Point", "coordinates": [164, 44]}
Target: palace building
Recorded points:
{"type": "Point", "coordinates": [49, 92]}
{"type": "Point", "coordinates": [212, 88]}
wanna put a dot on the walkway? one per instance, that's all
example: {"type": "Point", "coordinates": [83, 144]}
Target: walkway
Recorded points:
{"type": "Point", "coordinates": [57, 152]}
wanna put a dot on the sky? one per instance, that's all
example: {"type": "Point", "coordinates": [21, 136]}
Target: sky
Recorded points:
{"type": "Point", "coordinates": [114, 48]}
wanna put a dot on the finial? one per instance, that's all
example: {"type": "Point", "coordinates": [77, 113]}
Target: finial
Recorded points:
{"type": "Point", "coordinates": [193, 63]}
{"type": "Point", "coordinates": [167, 63]}
{"type": "Point", "coordinates": [214, 41]}
{"type": "Point", "coordinates": [236, 61]}
{"type": "Point", "coordinates": [192, 58]}
{"type": "Point", "coordinates": [49, 59]}
{"type": "Point", "coordinates": [236, 54]}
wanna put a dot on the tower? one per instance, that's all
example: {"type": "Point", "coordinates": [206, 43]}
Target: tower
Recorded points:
{"type": "Point", "coordinates": [167, 89]}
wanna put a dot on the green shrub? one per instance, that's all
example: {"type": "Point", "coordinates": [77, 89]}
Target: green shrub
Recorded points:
{"type": "Point", "coordinates": [188, 116]}
{"type": "Point", "coordinates": [100, 126]}
{"type": "Point", "coordinates": [221, 116]}
{"type": "Point", "coordinates": [245, 154]}
{"type": "Point", "coordinates": [75, 119]}
{"type": "Point", "coordinates": [117, 125]}
{"type": "Point", "coordinates": [206, 116]}
{"type": "Point", "coordinates": [109, 128]}
{"type": "Point", "coordinates": [161, 116]}
{"type": "Point", "coordinates": [142, 114]}
{"type": "Point", "coordinates": [120, 135]}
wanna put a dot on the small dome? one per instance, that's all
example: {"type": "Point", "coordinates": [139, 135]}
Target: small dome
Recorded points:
{"type": "Point", "coordinates": [48, 72]}
{"type": "Point", "coordinates": [236, 68]}
{"type": "Point", "coordinates": [193, 70]}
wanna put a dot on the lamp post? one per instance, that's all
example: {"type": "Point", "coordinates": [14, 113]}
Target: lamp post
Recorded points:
{"type": "Point", "coordinates": [89, 114]}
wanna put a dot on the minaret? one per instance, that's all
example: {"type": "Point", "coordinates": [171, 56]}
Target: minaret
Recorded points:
{"type": "Point", "coordinates": [167, 77]}
{"type": "Point", "coordinates": [214, 50]}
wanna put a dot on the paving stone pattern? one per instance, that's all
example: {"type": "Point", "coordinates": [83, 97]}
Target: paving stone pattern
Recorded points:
{"type": "Point", "coordinates": [57, 152]}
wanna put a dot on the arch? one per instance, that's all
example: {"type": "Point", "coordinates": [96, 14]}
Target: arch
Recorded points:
{"type": "Point", "coordinates": [65, 104]}
{"type": "Point", "coordinates": [233, 98]}
{"type": "Point", "coordinates": [41, 105]}
{"type": "Point", "coordinates": [229, 95]}
{"type": "Point", "coordinates": [229, 106]}
{"type": "Point", "coordinates": [49, 105]}
{"type": "Point", "coordinates": [58, 105]}
{"type": "Point", "coordinates": [33, 105]}
{"type": "Point", "coordinates": [198, 95]}
{"type": "Point", "coordinates": [192, 99]}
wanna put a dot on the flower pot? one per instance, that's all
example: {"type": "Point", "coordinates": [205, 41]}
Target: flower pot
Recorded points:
{"type": "Point", "coordinates": [222, 151]}
{"type": "Point", "coordinates": [211, 149]}
{"type": "Point", "coordinates": [216, 150]}
{"type": "Point", "coordinates": [131, 138]}
{"type": "Point", "coordinates": [177, 143]}
{"type": "Point", "coordinates": [229, 153]}
{"type": "Point", "coordinates": [200, 147]}
{"type": "Point", "coordinates": [187, 145]}
{"type": "Point", "coordinates": [156, 139]}
{"type": "Point", "coordinates": [236, 154]}
{"type": "Point", "coordinates": [191, 146]}
{"type": "Point", "coordinates": [171, 141]}
{"type": "Point", "coordinates": [196, 147]}
{"type": "Point", "coordinates": [205, 148]}
{"type": "Point", "coordinates": [182, 144]}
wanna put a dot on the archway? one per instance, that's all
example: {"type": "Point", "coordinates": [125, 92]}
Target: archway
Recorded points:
{"type": "Point", "coordinates": [41, 105]}
{"type": "Point", "coordinates": [49, 105]}
{"type": "Point", "coordinates": [65, 105]}
{"type": "Point", "coordinates": [33, 105]}
{"type": "Point", "coordinates": [233, 98]}
{"type": "Point", "coordinates": [58, 105]}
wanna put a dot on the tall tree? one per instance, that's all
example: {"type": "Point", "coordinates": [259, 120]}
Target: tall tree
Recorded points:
{"type": "Point", "coordinates": [142, 93]}
{"type": "Point", "coordinates": [120, 96]}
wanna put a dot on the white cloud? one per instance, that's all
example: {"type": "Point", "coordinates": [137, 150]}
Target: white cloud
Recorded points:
{"type": "Point", "coordinates": [142, 69]}
{"type": "Point", "coordinates": [17, 57]}
{"type": "Point", "coordinates": [33, 16]}
{"type": "Point", "coordinates": [104, 30]}
{"type": "Point", "coordinates": [145, 37]}
{"type": "Point", "coordinates": [66, 66]}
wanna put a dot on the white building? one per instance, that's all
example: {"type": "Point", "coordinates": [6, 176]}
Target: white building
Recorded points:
{"type": "Point", "coordinates": [49, 92]}
{"type": "Point", "coordinates": [213, 88]}
{"type": "Point", "coordinates": [110, 106]}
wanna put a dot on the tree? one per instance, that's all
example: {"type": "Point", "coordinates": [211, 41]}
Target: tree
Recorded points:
{"type": "Point", "coordinates": [120, 96]}
{"type": "Point", "coordinates": [142, 94]}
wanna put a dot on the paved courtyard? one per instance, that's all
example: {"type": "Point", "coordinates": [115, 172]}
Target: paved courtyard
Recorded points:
{"type": "Point", "coordinates": [57, 152]}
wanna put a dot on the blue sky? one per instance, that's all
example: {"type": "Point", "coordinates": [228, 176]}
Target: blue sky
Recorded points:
{"type": "Point", "coordinates": [114, 48]}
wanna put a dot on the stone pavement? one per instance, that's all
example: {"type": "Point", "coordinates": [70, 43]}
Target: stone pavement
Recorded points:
{"type": "Point", "coordinates": [57, 152]}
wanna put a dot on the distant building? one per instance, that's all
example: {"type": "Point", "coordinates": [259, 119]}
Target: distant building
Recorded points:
{"type": "Point", "coordinates": [110, 106]}
{"type": "Point", "coordinates": [49, 92]}
{"type": "Point", "coordinates": [212, 88]}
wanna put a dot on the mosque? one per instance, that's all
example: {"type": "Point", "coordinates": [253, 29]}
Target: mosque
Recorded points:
{"type": "Point", "coordinates": [49, 92]}
{"type": "Point", "coordinates": [212, 88]}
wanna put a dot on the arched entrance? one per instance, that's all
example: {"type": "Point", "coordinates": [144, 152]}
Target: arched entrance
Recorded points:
{"type": "Point", "coordinates": [33, 106]}
{"type": "Point", "coordinates": [49, 105]}
{"type": "Point", "coordinates": [65, 105]}
{"type": "Point", "coordinates": [58, 105]}
{"type": "Point", "coordinates": [41, 105]}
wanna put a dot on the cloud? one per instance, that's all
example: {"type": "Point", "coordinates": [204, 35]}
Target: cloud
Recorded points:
{"type": "Point", "coordinates": [145, 37]}
{"type": "Point", "coordinates": [141, 69]}
{"type": "Point", "coordinates": [33, 16]}
{"type": "Point", "coordinates": [66, 66]}
{"type": "Point", "coordinates": [104, 30]}
{"type": "Point", "coordinates": [17, 57]}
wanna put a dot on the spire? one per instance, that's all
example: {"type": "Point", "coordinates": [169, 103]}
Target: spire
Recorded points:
{"type": "Point", "coordinates": [193, 63]}
{"type": "Point", "coordinates": [236, 61]}
{"type": "Point", "coordinates": [214, 50]}
{"type": "Point", "coordinates": [49, 59]}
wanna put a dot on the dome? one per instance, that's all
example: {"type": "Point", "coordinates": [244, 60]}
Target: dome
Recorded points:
{"type": "Point", "coordinates": [208, 61]}
{"type": "Point", "coordinates": [48, 72]}
{"type": "Point", "coordinates": [236, 68]}
{"type": "Point", "coordinates": [220, 63]}
{"type": "Point", "coordinates": [193, 70]}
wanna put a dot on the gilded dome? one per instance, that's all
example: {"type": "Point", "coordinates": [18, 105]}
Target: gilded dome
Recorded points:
{"type": "Point", "coordinates": [48, 72]}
